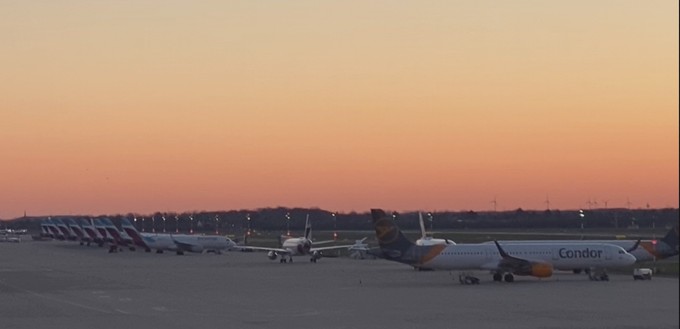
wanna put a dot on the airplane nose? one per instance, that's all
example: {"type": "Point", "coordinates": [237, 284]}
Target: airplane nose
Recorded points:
{"type": "Point", "coordinates": [630, 259]}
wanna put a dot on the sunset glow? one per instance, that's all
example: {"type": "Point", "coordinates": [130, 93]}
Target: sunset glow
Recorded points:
{"type": "Point", "coordinates": [141, 106]}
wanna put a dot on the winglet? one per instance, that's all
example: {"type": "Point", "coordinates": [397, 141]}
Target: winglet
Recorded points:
{"type": "Point", "coordinates": [308, 229]}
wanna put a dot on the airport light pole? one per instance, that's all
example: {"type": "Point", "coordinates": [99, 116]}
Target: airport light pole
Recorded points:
{"type": "Point", "coordinates": [431, 219]}
{"type": "Point", "coordinates": [288, 223]}
{"type": "Point", "coordinates": [582, 217]}
{"type": "Point", "coordinates": [164, 226]}
{"type": "Point", "coordinates": [191, 222]}
{"type": "Point", "coordinates": [176, 224]}
{"type": "Point", "coordinates": [217, 224]}
{"type": "Point", "coordinates": [153, 223]}
{"type": "Point", "coordinates": [248, 223]}
{"type": "Point", "coordinates": [335, 226]}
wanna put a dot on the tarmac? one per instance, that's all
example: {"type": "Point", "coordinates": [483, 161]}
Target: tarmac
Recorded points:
{"type": "Point", "coordinates": [56, 284]}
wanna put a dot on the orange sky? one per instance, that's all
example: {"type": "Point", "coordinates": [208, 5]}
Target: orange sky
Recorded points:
{"type": "Point", "coordinates": [142, 106]}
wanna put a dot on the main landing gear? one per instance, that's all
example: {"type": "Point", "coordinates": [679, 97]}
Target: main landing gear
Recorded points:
{"type": "Point", "coordinates": [598, 275]}
{"type": "Point", "coordinates": [465, 278]}
{"type": "Point", "coordinates": [508, 277]}
{"type": "Point", "coordinates": [284, 260]}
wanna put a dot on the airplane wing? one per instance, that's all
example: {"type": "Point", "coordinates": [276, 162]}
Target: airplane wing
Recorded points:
{"type": "Point", "coordinates": [324, 242]}
{"type": "Point", "coordinates": [186, 246]}
{"type": "Point", "coordinates": [330, 247]}
{"type": "Point", "coordinates": [279, 251]}
{"type": "Point", "coordinates": [521, 266]}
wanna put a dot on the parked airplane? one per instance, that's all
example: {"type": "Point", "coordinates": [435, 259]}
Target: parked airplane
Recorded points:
{"type": "Point", "coordinates": [13, 231]}
{"type": "Point", "coordinates": [426, 240]}
{"type": "Point", "coordinates": [53, 230]}
{"type": "Point", "coordinates": [538, 260]}
{"type": "Point", "coordinates": [643, 250]}
{"type": "Point", "coordinates": [297, 247]}
{"type": "Point", "coordinates": [65, 230]}
{"type": "Point", "coordinates": [93, 234]}
{"type": "Point", "coordinates": [78, 231]}
{"type": "Point", "coordinates": [180, 243]}
{"type": "Point", "coordinates": [111, 234]}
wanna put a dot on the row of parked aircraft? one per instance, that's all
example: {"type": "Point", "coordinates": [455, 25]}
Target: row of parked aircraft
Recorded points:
{"type": "Point", "coordinates": [505, 259]}
{"type": "Point", "coordinates": [103, 231]}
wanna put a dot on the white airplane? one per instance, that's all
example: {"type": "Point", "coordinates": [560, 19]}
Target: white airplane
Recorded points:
{"type": "Point", "coordinates": [65, 230]}
{"type": "Point", "coordinates": [13, 231]}
{"type": "Point", "coordinates": [179, 243]}
{"type": "Point", "coordinates": [9, 238]}
{"type": "Point", "coordinates": [297, 247]}
{"type": "Point", "coordinates": [643, 250]}
{"type": "Point", "coordinates": [426, 240]}
{"type": "Point", "coordinates": [44, 229]}
{"type": "Point", "coordinates": [538, 260]}
{"type": "Point", "coordinates": [92, 232]}
{"type": "Point", "coordinates": [53, 230]}
{"type": "Point", "coordinates": [78, 231]}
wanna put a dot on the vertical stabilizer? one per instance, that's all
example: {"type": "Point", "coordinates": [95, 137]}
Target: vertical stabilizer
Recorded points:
{"type": "Point", "coordinates": [308, 229]}
{"type": "Point", "coordinates": [423, 235]}
{"type": "Point", "coordinates": [395, 246]}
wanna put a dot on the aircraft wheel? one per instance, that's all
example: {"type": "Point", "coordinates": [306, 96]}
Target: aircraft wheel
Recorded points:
{"type": "Point", "coordinates": [81, 243]}
{"type": "Point", "coordinates": [577, 271]}
{"type": "Point", "coordinates": [497, 277]}
{"type": "Point", "coordinates": [509, 278]}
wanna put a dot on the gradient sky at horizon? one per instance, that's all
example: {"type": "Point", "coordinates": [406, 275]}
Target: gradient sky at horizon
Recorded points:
{"type": "Point", "coordinates": [113, 107]}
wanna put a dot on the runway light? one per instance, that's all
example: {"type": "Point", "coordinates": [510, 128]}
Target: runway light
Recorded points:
{"type": "Point", "coordinates": [654, 242]}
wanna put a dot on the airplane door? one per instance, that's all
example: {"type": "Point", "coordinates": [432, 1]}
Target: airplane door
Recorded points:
{"type": "Point", "coordinates": [555, 254]}
{"type": "Point", "coordinates": [607, 254]}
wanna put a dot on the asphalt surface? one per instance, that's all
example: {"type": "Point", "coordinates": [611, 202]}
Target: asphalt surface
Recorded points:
{"type": "Point", "coordinates": [57, 284]}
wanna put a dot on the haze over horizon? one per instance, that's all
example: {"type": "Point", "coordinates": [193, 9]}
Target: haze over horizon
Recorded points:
{"type": "Point", "coordinates": [114, 107]}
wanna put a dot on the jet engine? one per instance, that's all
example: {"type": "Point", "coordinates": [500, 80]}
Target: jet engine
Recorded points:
{"type": "Point", "coordinates": [272, 255]}
{"type": "Point", "coordinates": [537, 269]}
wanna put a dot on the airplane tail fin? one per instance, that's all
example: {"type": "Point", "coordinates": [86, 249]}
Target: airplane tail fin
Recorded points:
{"type": "Point", "coordinates": [672, 239]}
{"type": "Point", "coordinates": [395, 246]}
{"type": "Point", "coordinates": [131, 230]}
{"type": "Point", "coordinates": [422, 226]}
{"type": "Point", "coordinates": [308, 229]}
{"type": "Point", "coordinates": [388, 233]}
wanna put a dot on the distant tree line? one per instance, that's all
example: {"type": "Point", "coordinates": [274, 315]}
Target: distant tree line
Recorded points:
{"type": "Point", "coordinates": [282, 219]}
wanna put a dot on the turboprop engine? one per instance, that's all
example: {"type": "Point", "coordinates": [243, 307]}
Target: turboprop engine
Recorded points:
{"type": "Point", "coordinates": [316, 255]}
{"type": "Point", "coordinates": [272, 255]}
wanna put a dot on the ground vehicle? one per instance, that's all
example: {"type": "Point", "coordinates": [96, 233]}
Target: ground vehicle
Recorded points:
{"type": "Point", "coordinates": [642, 274]}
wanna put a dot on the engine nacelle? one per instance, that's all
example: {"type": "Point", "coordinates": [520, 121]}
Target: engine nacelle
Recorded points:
{"type": "Point", "coordinates": [541, 270]}
{"type": "Point", "coordinates": [272, 255]}
{"type": "Point", "coordinates": [316, 255]}
{"type": "Point", "coordinates": [537, 269]}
